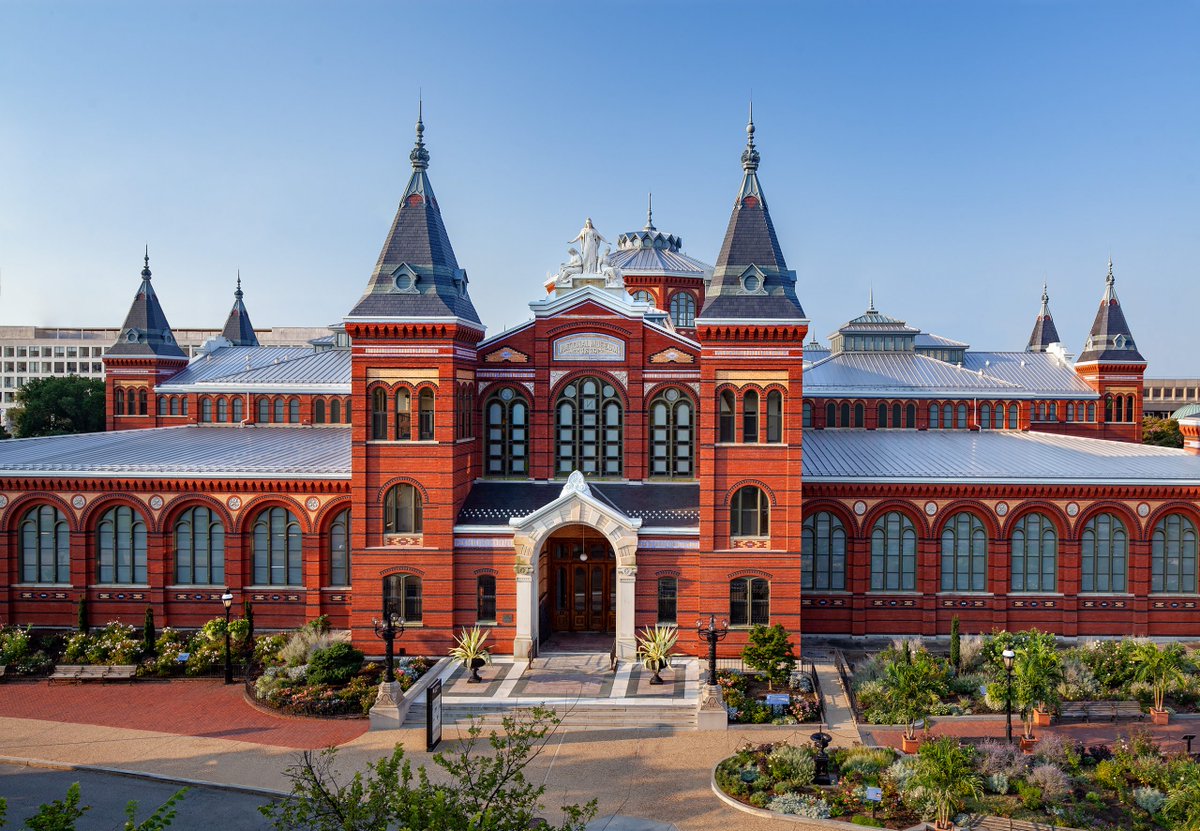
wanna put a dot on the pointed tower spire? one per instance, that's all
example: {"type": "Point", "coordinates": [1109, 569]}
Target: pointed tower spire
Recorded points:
{"type": "Point", "coordinates": [417, 275]}
{"type": "Point", "coordinates": [1110, 340]}
{"type": "Point", "coordinates": [871, 299]}
{"type": "Point", "coordinates": [146, 330]}
{"type": "Point", "coordinates": [650, 213]}
{"type": "Point", "coordinates": [1044, 331]}
{"type": "Point", "coordinates": [238, 329]}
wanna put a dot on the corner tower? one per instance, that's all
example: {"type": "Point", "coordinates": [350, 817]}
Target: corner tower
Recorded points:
{"type": "Point", "coordinates": [751, 329]}
{"type": "Point", "coordinates": [1113, 366]}
{"type": "Point", "coordinates": [144, 355]}
{"type": "Point", "coordinates": [1044, 331]}
{"type": "Point", "coordinates": [413, 340]}
{"type": "Point", "coordinates": [238, 330]}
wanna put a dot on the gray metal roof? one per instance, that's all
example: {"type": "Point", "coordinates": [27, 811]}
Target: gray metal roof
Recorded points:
{"type": "Point", "coordinates": [656, 260]}
{"type": "Point", "coordinates": [928, 340]}
{"type": "Point", "coordinates": [331, 366]}
{"type": "Point", "coordinates": [185, 452]}
{"type": "Point", "coordinates": [1038, 372]}
{"type": "Point", "coordinates": [989, 456]}
{"type": "Point", "coordinates": [233, 360]}
{"type": "Point", "coordinates": [658, 505]}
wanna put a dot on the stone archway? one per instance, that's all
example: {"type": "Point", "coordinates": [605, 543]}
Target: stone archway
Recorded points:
{"type": "Point", "coordinates": [575, 505]}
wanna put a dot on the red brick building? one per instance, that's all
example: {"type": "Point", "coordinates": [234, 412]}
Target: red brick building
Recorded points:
{"type": "Point", "coordinates": [657, 443]}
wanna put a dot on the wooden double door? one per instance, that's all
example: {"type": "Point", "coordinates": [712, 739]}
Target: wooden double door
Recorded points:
{"type": "Point", "coordinates": [583, 583]}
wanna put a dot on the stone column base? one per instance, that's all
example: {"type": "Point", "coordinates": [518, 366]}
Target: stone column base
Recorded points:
{"type": "Point", "coordinates": [389, 709]}
{"type": "Point", "coordinates": [710, 709]}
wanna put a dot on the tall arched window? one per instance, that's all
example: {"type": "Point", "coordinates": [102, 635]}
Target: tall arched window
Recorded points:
{"type": "Point", "coordinates": [319, 411]}
{"type": "Point", "coordinates": [379, 419]}
{"type": "Point", "coordinates": [403, 512]}
{"type": "Point", "coordinates": [280, 415]}
{"type": "Point", "coordinates": [725, 418]}
{"type": "Point", "coordinates": [1091, 411]}
{"type": "Point", "coordinates": [1014, 417]}
{"type": "Point", "coordinates": [683, 309]}
{"type": "Point", "coordinates": [831, 415]}
{"type": "Point", "coordinates": [947, 417]}
{"type": "Point", "coordinates": [749, 601]}
{"type": "Point", "coordinates": [1108, 408]}
{"type": "Point", "coordinates": [808, 414]}
{"type": "Point", "coordinates": [425, 415]}
{"type": "Point", "coordinates": [964, 554]}
{"type": "Point", "coordinates": [277, 548]}
{"type": "Point", "coordinates": [142, 402]}
{"type": "Point", "coordinates": [823, 553]}
{"type": "Point", "coordinates": [896, 416]}
{"type": "Point", "coordinates": [506, 434]}
{"type": "Point", "coordinates": [402, 597]}
{"type": "Point", "coordinates": [174, 405]}
{"type": "Point", "coordinates": [293, 410]}
{"type": "Point", "coordinates": [985, 417]}
{"type": "Point", "coordinates": [1070, 411]}
{"type": "Point", "coordinates": [844, 413]}
{"type": "Point", "coordinates": [894, 554]}
{"type": "Point", "coordinates": [1104, 554]}
{"type": "Point", "coordinates": [750, 417]}
{"type": "Point", "coordinates": [162, 405]}
{"type": "Point", "coordinates": [339, 549]}
{"type": "Point", "coordinates": [184, 406]}
{"type": "Point", "coordinates": [131, 402]}
{"type": "Point", "coordinates": [335, 411]}
{"type": "Point", "coordinates": [643, 296]}
{"type": "Point", "coordinates": [485, 598]}
{"type": "Point", "coordinates": [672, 446]}
{"type": "Point", "coordinates": [119, 401]}
{"type": "Point", "coordinates": [45, 542]}
{"type": "Point", "coordinates": [590, 420]}
{"type": "Point", "coordinates": [961, 423]}
{"type": "Point", "coordinates": [859, 415]}
{"type": "Point", "coordinates": [121, 546]}
{"type": "Point", "coordinates": [238, 414]}
{"type": "Point", "coordinates": [403, 415]}
{"type": "Point", "coordinates": [222, 410]}
{"type": "Point", "coordinates": [206, 410]}
{"type": "Point", "coordinates": [668, 600]}
{"type": "Point", "coordinates": [1173, 555]}
{"type": "Point", "coordinates": [1034, 554]}
{"type": "Point", "coordinates": [264, 411]}
{"type": "Point", "coordinates": [910, 416]}
{"type": "Point", "coordinates": [882, 416]}
{"type": "Point", "coordinates": [749, 513]}
{"type": "Point", "coordinates": [199, 548]}
{"type": "Point", "coordinates": [933, 417]}
{"type": "Point", "coordinates": [774, 416]}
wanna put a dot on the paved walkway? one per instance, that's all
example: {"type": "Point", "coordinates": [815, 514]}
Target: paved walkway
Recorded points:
{"type": "Point", "coordinates": [838, 716]}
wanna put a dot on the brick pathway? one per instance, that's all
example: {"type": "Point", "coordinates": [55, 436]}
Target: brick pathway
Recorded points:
{"type": "Point", "coordinates": [1167, 736]}
{"type": "Point", "coordinates": [201, 708]}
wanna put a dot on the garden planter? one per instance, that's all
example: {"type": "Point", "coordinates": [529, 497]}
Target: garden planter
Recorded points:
{"type": "Point", "coordinates": [476, 663]}
{"type": "Point", "coordinates": [1028, 743]}
{"type": "Point", "coordinates": [1159, 717]}
{"type": "Point", "coordinates": [657, 667]}
{"type": "Point", "coordinates": [1042, 718]}
{"type": "Point", "coordinates": [938, 826]}
{"type": "Point", "coordinates": [910, 745]}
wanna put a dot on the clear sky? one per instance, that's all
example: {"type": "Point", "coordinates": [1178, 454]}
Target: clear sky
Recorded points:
{"type": "Point", "coordinates": [951, 155]}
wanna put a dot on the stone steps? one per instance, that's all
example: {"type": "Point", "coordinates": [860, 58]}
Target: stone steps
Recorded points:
{"type": "Point", "coordinates": [590, 715]}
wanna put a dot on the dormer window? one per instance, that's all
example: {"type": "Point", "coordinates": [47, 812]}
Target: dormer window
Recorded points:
{"type": "Point", "coordinates": [132, 336]}
{"type": "Point", "coordinates": [1120, 341]}
{"type": "Point", "coordinates": [753, 281]}
{"type": "Point", "coordinates": [405, 279]}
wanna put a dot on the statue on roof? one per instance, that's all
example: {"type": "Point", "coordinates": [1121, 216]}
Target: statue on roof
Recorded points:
{"type": "Point", "coordinates": [589, 239]}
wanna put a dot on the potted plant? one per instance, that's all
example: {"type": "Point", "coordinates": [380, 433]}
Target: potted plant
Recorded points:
{"type": "Point", "coordinates": [1037, 672]}
{"type": "Point", "coordinates": [469, 651]}
{"type": "Point", "coordinates": [912, 688]}
{"type": "Point", "coordinates": [1162, 669]}
{"type": "Point", "coordinates": [946, 776]}
{"type": "Point", "coordinates": [654, 648]}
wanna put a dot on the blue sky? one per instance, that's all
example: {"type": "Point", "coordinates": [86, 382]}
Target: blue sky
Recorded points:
{"type": "Point", "coordinates": [951, 155]}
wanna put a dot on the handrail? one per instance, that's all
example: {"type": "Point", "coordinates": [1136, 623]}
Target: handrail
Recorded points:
{"type": "Point", "coordinates": [844, 674]}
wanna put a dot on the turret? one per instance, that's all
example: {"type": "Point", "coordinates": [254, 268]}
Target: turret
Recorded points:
{"type": "Point", "coordinates": [238, 329]}
{"type": "Point", "coordinates": [1044, 331]}
{"type": "Point", "coordinates": [1113, 366]}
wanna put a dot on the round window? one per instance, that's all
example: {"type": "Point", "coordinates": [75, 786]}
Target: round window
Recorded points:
{"type": "Point", "coordinates": [569, 392]}
{"type": "Point", "coordinates": [506, 394]}
{"type": "Point", "coordinates": [751, 283]}
{"type": "Point", "coordinates": [672, 395]}
{"type": "Point", "coordinates": [609, 392]}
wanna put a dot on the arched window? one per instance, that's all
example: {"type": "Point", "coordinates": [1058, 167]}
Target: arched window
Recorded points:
{"type": "Point", "coordinates": [142, 401]}
{"type": "Point", "coordinates": [280, 415]}
{"type": "Point", "coordinates": [402, 597]}
{"type": "Point", "coordinates": [859, 413]}
{"type": "Point", "coordinates": [1070, 411]}
{"type": "Point", "coordinates": [1091, 411]}
{"type": "Point", "coordinates": [174, 405]}
{"type": "Point", "coordinates": [830, 415]}
{"type": "Point", "coordinates": [668, 600]}
{"type": "Point", "coordinates": [750, 417]}
{"type": "Point", "coordinates": [1173, 555]}
{"type": "Point", "coordinates": [199, 548]}
{"type": "Point", "coordinates": [162, 405]}
{"type": "Point", "coordinates": [749, 601]}
{"type": "Point", "coordinates": [1104, 554]}
{"type": "Point", "coordinates": [894, 554]}
{"type": "Point", "coordinates": [425, 415]}
{"type": "Point", "coordinates": [823, 553]}
{"type": "Point", "coordinates": [1034, 554]}
{"type": "Point", "coordinates": [749, 513]}
{"type": "Point", "coordinates": [683, 309]}
{"type": "Point", "coordinates": [335, 411]}
{"type": "Point", "coordinates": [121, 546]}
{"type": "Point", "coordinates": [339, 549]}
{"type": "Point", "coordinates": [1014, 417]}
{"type": "Point", "coordinates": [45, 543]}
{"type": "Point", "coordinates": [896, 416]}
{"type": "Point", "coordinates": [961, 423]}
{"type": "Point", "coordinates": [590, 421]}
{"type": "Point", "coordinates": [238, 414]}
{"type": "Point", "coordinates": [910, 416]}
{"type": "Point", "coordinates": [222, 410]}
{"type": "Point", "coordinates": [184, 406]}
{"type": "Point", "coordinates": [672, 444]}
{"type": "Point", "coordinates": [131, 402]}
{"type": "Point", "coordinates": [882, 416]}
{"type": "Point", "coordinates": [947, 417]}
{"type": "Point", "coordinates": [808, 414]}
{"type": "Point", "coordinates": [319, 411]}
{"type": "Point", "coordinates": [379, 414]}
{"type": "Point", "coordinates": [643, 296]}
{"type": "Point", "coordinates": [933, 416]}
{"type": "Point", "coordinates": [264, 411]}
{"type": "Point", "coordinates": [774, 416]}
{"type": "Point", "coordinates": [1108, 408]}
{"type": "Point", "coordinates": [294, 411]}
{"type": "Point", "coordinates": [1053, 414]}
{"type": "Point", "coordinates": [725, 418]}
{"type": "Point", "coordinates": [206, 410]}
{"type": "Point", "coordinates": [277, 548]}
{"type": "Point", "coordinates": [964, 554]}
{"type": "Point", "coordinates": [985, 417]}
{"type": "Point", "coordinates": [119, 401]}
{"type": "Point", "coordinates": [402, 510]}
{"type": "Point", "coordinates": [403, 414]}
{"type": "Point", "coordinates": [844, 413]}
{"type": "Point", "coordinates": [485, 599]}
{"type": "Point", "coordinates": [506, 434]}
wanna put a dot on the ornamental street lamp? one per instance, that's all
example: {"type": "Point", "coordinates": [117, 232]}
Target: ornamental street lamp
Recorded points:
{"type": "Point", "coordinates": [389, 629]}
{"type": "Point", "coordinates": [1008, 655]}
{"type": "Point", "coordinates": [227, 602]}
{"type": "Point", "coordinates": [712, 632]}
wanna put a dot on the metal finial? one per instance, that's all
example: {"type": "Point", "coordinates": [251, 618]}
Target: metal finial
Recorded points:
{"type": "Point", "coordinates": [871, 299]}
{"type": "Point", "coordinates": [419, 155]}
{"type": "Point", "coordinates": [146, 266]}
{"type": "Point", "coordinates": [238, 292]}
{"type": "Point", "coordinates": [1109, 280]}
{"type": "Point", "coordinates": [650, 212]}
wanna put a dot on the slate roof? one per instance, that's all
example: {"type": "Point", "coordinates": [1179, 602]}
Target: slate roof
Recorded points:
{"type": "Point", "coordinates": [146, 331]}
{"type": "Point", "coordinates": [657, 505]}
{"type": "Point", "coordinates": [238, 329]}
{"type": "Point", "coordinates": [1044, 331]}
{"type": "Point", "coordinates": [989, 456]}
{"type": "Point", "coordinates": [1110, 339]}
{"type": "Point", "coordinates": [185, 452]}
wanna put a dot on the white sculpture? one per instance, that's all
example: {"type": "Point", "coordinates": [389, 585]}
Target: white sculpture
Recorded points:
{"type": "Point", "coordinates": [590, 240]}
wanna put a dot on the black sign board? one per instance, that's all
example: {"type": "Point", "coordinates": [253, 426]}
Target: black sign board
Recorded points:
{"type": "Point", "coordinates": [433, 715]}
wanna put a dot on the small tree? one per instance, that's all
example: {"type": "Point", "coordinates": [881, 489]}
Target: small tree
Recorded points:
{"type": "Point", "coordinates": [769, 650]}
{"type": "Point", "coordinates": [81, 615]}
{"type": "Point", "coordinates": [955, 645]}
{"type": "Point", "coordinates": [946, 777]}
{"type": "Point", "coordinates": [148, 634]}
{"type": "Point", "coordinates": [1162, 669]}
{"type": "Point", "coordinates": [1037, 672]}
{"type": "Point", "coordinates": [913, 687]}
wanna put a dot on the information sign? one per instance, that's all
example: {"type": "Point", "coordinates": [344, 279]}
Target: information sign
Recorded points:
{"type": "Point", "coordinates": [433, 715]}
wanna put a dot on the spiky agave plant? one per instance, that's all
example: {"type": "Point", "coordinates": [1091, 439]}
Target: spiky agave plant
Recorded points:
{"type": "Point", "coordinates": [470, 651]}
{"type": "Point", "coordinates": [655, 646]}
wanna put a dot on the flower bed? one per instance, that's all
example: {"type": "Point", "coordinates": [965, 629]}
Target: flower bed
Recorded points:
{"type": "Point", "coordinates": [23, 653]}
{"type": "Point", "coordinates": [744, 696]}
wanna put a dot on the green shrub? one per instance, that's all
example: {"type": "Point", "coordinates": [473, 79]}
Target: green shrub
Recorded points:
{"type": "Point", "coordinates": [1031, 796]}
{"type": "Point", "coordinates": [769, 650]}
{"type": "Point", "coordinates": [867, 761]}
{"type": "Point", "coordinates": [869, 822]}
{"type": "Point", "coordinates": [792, 763]}
{"type": "Point", "coordinates": [955, 645]}
{"type": "Point", "coordinates": [800, 805]}
{"type": "Point", "coordinates": [336, 664]}
{"type": "Point", "coordinates": [114, 644]}
{"type": "Point", "coordinates": [1150, 800]}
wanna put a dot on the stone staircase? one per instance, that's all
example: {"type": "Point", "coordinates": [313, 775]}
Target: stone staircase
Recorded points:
{"type": "Point", "coordinates": [577, 715]}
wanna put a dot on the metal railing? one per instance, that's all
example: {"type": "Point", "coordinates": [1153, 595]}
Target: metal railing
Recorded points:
{"type": "Point", "coordinates": [844, 673]}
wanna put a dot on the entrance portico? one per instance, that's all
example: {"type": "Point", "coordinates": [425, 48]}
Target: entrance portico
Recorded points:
{"type": "Point", "coordinates": [575, 505]}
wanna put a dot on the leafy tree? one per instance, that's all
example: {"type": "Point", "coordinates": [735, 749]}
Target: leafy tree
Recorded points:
{"type": "Point", "coordinates": [769, 650]}
{"type": "Point", "coordinates": [4, 434]}
{"type": "Point", "coordinates": [56, 406]}
{"type": "Point", "coordinates": [946, 776]}
{"type": "Point", "coordinates": [487, 791]}
{"type": "Point", "coordinates": [1037, 671]}
{"type": "Point", "coordinates": [913, 687]}
{"type": "Point", "coordinates": [62, 814]}
{"type": "Point", "coordinates": [955, 645]}
{"type": "Point", "coordinates": [1163, 432]}
{"type": "Point", "coordinates": [1161, 668]}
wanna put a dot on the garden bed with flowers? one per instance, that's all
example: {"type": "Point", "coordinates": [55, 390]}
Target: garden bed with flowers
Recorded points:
{"type": "Point", "coordinates": [25, 653]}
{"type": "Point", "coordinates": [744, 695]}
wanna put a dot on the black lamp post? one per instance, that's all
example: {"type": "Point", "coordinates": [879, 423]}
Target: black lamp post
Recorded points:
{"type": "Point", "coordinates": [1008, 655]}
{"type": "Point", "coordinates": [389, 629]}
{"type": "Point", "coordinates": [227, 602]}
{"type": "Point", "coordinates": [712, 632]}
